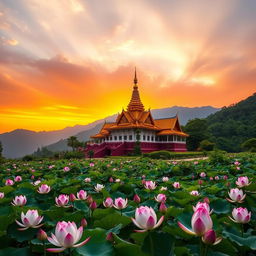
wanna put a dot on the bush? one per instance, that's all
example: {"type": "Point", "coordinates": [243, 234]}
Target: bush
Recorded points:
{"type": "Point", "coordinates": [218, 156]}
{"type": "Point", "coordinates": [28, 158]}
{"type": "Point", "coordinates": [172, 155]}
{"type": "Point", "coordinates": [249, 145]}
{"type": "Point", "coordinates": [206, 145]}
{"type": "Point", "coordinates": [73, 154]}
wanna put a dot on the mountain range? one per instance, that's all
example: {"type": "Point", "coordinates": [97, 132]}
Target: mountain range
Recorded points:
{"type": "Point", "coordinates": [20, 142]}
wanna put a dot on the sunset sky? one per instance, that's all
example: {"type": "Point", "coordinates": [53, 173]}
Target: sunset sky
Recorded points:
{"type": "Point", "coordinates": [67, 62]}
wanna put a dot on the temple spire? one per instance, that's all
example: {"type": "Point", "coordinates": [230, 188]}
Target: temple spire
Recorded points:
{"type": "Point", "coordinates": [135, 102]}
{"type": "Point", "coordinates": [135, 78]}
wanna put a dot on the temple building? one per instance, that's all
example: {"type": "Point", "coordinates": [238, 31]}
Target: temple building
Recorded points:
{"type": "Point", "coordinates": [133, 125]}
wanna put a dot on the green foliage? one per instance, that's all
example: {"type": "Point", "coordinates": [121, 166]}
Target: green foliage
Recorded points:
{"type": "Point", "coordinates": [74, 143]}
{"type": "Point", "coordinates": [206, 145]}
{"type": "Point", "coordinates": [249, 145]}
{"type": "Point", "coordinates": [197, 130]}
{"type": "Point", "coordinates": [90, 154]}
{"type": "Point", "coordinates": [163, 154]}
{"type": "Point", "coordinates": [72, 155]}
{"type": "Point", "coordinates": [218, 156]}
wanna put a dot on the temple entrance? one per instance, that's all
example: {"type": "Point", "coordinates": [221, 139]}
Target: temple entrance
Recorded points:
{"type": "Point", "coordinates": [108, 152]}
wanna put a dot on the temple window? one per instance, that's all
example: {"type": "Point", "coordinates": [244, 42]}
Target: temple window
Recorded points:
{"type": "Point", "coordinates": [120, 137]}
{"type": "Point", "coordinates": [130, 137]}
{"type": "Point", "coordinates": [152, 138]}
{"type": "Point", "coordinates": [125, 137]}
{"type": "Point", "coordinates": [148, 138]}
{"type": "Point", "coordinates": [115, 137]}
{"type": "Point", "coordinates": [144, 137]}
{"type": "Point", "coordinates": [110, 138]}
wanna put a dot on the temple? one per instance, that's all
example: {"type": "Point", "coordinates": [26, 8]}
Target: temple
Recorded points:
{"type": "Point", "coordinates": [136, 125]}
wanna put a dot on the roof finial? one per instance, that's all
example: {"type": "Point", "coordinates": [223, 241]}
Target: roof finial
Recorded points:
{"type": "Point", "coordinates": [135, 78]}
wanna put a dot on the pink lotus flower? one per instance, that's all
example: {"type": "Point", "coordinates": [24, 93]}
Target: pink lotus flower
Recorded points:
{"type": "Point", "coordinates": [44, 189]}
{"type": "Point", "coordinates": [225, 177]}
{"type": "Point", "coordinates": [19, 200]}
{"type": "Point", "coordinates": [243, 182]}
{"type": "Point", "coordinates": [151, 185]}
{"type": "Point", "coordinates": [216, 177]}
{"type": "Point", "coordinates": [236, 195]}
{"type": "Point", "coordinates": [72, 198]}
{"type": "Point", "coordinates": [120, 203]}
{"type": "Point", "coordinates": [82, 195]}
{"type": "Point", "coordinates": [111, 180]}
{"type": "Point", "coordinates": [209, 237]}
{"type": "Point", "coordinates": [176, 185]}
{"type": "Point", "coordinates": [9, 182]}
{"type": "Point", "coordinates": [99, 187]}
{"type": "Point", "coordinates": [93, 205]}
{"type": "Point", "coordinates": [165, 179]}
{"type": "Point", "coordinates": [62, 201]}
{"type": "Point", "coordinates": [163, 188]}
{"type": "Point", "coordinates": [160, 198]}
{"type": "Point", "coordinates": [37, 182]}
{"type": "Point", "coordinates": [18, 179]}
{"type": "Point", "coordinates": [117, 180]}
{"type": "Point", "coordinates": [202, 205]}
{"type": "Point", "coordinates": [66, 169]}
{"type": "Point", "coordinates": [108, 203]}
{"type": "Point", "coordinates": [146, 219]}
{"type": "Point", "coordinates": [236, 163]}
{"type": "Point", "coordinates": [87, 180]}
{"type": "Point", "coordinates": [194, 193]}
{"type": "Point", "coordinates": [196, 162]}
{"type": "Point", "coordinates": [91, 164]}
{"type": "Point", "coordinates": [30, 220]}
{"type": "Point", "coordinates": [202, 174]}
{"type": "Point", "coordinates": [1, 195]}
{"type": "Point", "coordinates": [67, 235]}
{"type": "Point", "coordinates": [241, 215]}
{"type": "Point", "coordinates": [201, 222]}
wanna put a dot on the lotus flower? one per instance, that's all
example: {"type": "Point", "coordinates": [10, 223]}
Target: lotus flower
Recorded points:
{"type": "Point", "coordinates": [44, 189]}
{"type": "Point", "coordinates": [30, 220]}
{"type": "Point", "coordinates": [163, 188]}
{"type": "Point", "coordinates": [66, 236]}
{"type": "Point", "coordinates": [165, 179]}
{"type": "Point", "coordinates": [202, 205]}
{"type": "Point", "coordinates": [87, 180]}
{"type": "Point", "coordinates": [202, 174]}
{"type": "Point", "coordinates": [242, 182]}
{"type": "Point", "coordinates": [9, 182]}
{"type": "Point", "coordinates": [66, 169]}
{"type": "Point", "coordinates": [108, 203]}
{"type": "Point", "coordinates": [194, 193]}
{"type": "Point", "coordinates": [1, 195]}
{"type": "Point", "coordinates": [241, 215]}
{"type": "Point", "coordinates": [120, 203]}
{"type": "Point", "coordinates": [160, 198]}
{"type": "Point", "coordinates": [209, 237]}
{"type": "Point", "coordinates": [151, 185]}
{"type": "Point", "coordinates": [18, 179]}
{"type": "Point", "coordinates": [62, 201]}
{"type": "Point", "coordinates": [145, 219]}
{"type": "Point", "coordinates": [201, 222]}
{"type": "Point", "coordinates": [82, 195]}
{"type": "Point", "coordinates": [91, 164]}
{"type": "Point", "coordinates": [99, 187]}
{"type": "Point", "coordinates": [176, 185]}
{"type": "Point", "coordinates": [19, 200]}
{"type": "Point", "coordinates": [236, 195]}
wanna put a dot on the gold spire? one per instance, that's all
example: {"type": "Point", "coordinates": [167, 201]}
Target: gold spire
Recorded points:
{"type": "Point", "coordinates": [135, 102]}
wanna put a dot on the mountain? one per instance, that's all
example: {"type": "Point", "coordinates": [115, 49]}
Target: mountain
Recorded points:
{"type": "Point", "coordinates": [21, 142]}
{"type": "Point", "coordinates": [233, 125]}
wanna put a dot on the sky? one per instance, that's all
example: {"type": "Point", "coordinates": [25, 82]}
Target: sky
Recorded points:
{"type": "Point", "coordinates": [68, 62]}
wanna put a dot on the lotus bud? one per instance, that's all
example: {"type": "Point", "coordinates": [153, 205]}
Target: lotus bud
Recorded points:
{"type": "Point", "coordinates": [87, 180]}
{"type": "Point", "coordinates": [93, 205]}
{"type": "Point", "coordinates": [89, 199]}
{"type": "Point", "coordinates": [200, 182]}
{"type": "Point", "coordinates": [108, 203]}
{"type": "Point", "coordinates": [18, 179]}
{"type": "Point", "coordinates": [165, 179]}
{"type": "Point", "coordinates": [176, 185]}
{"type": "Point", "coordinates": [41, 235]}
{"type": "Point", "coordinates": [241, 215]}
{"type": "Point", "coordinates": [9, 182]}
{"type": "Point", "coordinates": [84, 222]}
{"type": "Point", "coordinates": [72, 198]}
{"type": "Point", "coordinates": [136, 199]}
{"type": "Point", "coordinates": [206, 200]}
{"type": "Point", "coordinates": [160, 198]}
{"type": "Point", "coordinates": [202, 174]}
{"type": "Point", "coordinates": [82, 195]}
{"type": "Point", "coordinates": [162, 208]}
{"type": "Point", "coordinates": [209, 238]}
{"type": "Point", "coordinates": [225, 177]}
{"type": "Point", "coordinates": [1, 195]}
{"type": "Point", "coordinates": [143, 182]}
{"type": "Point", "coordinates": [111, 179]}
{"type": "Point", "coordinates": [110, 237]}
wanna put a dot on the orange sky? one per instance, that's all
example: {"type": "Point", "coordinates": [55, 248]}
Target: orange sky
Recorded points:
{"type": "Point", "coordinates": [70, 62]}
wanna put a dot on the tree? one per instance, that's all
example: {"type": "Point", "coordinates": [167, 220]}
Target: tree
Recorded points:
{"type": "Point", "coordinates": [249, 145]}
{"type": "Point", "coordinates": [206, 145]}
{"type": "Point", "coordinates": [74, 143]}
{"type": "Point", "coordinates": [91, 154]}
{"type": "Point", "coordinates": [198, 131]}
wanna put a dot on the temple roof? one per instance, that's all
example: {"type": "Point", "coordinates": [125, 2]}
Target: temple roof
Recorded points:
{"type": "Point", "coordinates": [137, 117]}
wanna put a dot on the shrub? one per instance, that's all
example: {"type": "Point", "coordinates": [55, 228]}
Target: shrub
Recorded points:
{"type": "Point", "coordinates": [218, 156]}
{"type": "Point", "coordinates": [206, 145]}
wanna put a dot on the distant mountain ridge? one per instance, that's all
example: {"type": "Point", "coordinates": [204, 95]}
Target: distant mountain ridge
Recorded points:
{"type": "Point", "coordinates": [21, 142]}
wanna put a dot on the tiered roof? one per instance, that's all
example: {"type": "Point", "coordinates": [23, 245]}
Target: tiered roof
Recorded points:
{"type": "Point", "coordinates": [137, 117]}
